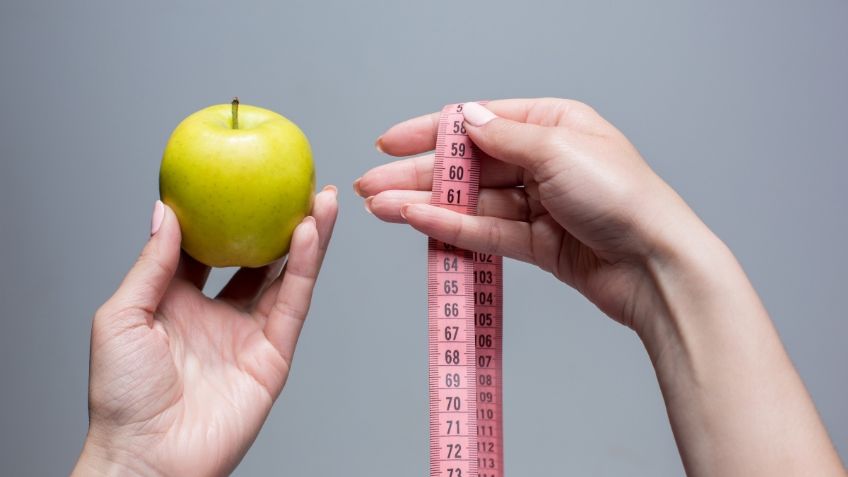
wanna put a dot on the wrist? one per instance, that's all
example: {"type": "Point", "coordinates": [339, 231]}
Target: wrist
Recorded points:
{"type": "Point", "coordinates": [106, 459]}
{"type": "Point", "coordinates": [701, 293]}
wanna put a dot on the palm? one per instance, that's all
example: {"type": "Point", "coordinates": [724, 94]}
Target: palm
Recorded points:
{"type": "Point", "coordinates": [601, 272]}
{"type": "Point", "coordinates": [208, 396]}
{"type": "Point", "coordinates": [612, 285]}
{"type": "Point", "coordinates": [197, 385]}
{"type": "Point", "coordinates": [184, 380]}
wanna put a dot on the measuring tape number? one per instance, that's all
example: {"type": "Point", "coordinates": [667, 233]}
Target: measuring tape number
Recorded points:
{"type": "Point", "coordinates": [465, 310]}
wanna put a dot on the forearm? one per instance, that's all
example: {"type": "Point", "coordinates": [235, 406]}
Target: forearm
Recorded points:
{"type": "Point", "coordinates": [736, 404]}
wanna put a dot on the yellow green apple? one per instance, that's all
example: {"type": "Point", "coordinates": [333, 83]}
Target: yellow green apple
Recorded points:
{"type": "Point", "coordinates": [239, 178]}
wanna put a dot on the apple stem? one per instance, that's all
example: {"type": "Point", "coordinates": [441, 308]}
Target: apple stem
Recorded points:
{"type": "Point", "coordinates": [235, 112]}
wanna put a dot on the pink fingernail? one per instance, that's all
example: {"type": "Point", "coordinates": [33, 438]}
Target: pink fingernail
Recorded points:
{"type": "Point", "coordinates": [331, 188]}
{"type": "Point", "coordinates": [477, 115]}
{"type": "Point", "coordinates": [158, 217]}
{"type": "Point", "coordinates": [356, 187]}
{"type": "Point", "coordinates": [309, 220]}
{"type": "Point", "coordinates": [403, 210]}
{"type": "Point", "coordinates": [379, 144]}
{"type": "Point", "coordinates": [368, 204]}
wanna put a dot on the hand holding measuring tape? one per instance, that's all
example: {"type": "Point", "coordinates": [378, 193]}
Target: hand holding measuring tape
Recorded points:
{"type": "Point", "coordinates": [561, 188]}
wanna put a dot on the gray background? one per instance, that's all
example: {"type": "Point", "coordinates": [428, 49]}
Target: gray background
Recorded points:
{"type": "Point", "coordinates": [740, 106]}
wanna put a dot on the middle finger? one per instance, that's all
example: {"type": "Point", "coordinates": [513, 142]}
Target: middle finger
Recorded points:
{"type": "Point", "coordinates": [416, 173]}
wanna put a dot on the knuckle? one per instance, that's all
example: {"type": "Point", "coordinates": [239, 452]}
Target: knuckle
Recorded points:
{"type": "Point", "coordinates": [285, 309]}
{"type": "Point", "coordinates": [522, 198]}
{"type": "Point", "coordinates": [458, 231]}
{"type": "Point", "coordinates": [148, 260]}
{"type": "Point", "coordinates": [483, 206]}
{"type": "Point", "coordinates": [578, 106]}
{"type": "Point", "coordinates": [304, 269]}
{"type": "Point", "coordinates": [422, 172]}
{"type": "Point", "coordinates": [567, 105]}
{"type": "Point", "coordinates": [508, 130]}
{"type": "Point", "coordinates": [494, 238]}
{"type": "Point", "coordinates": [570, 112]}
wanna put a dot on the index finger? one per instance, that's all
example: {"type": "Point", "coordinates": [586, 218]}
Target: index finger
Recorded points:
{"type": "Point", "coordinates": [410, 137]}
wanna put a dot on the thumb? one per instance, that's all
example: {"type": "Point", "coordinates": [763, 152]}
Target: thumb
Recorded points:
{"type": "Point", "coordinates": [147, 281]}
{"type": "Point", "coordinates": [523, 144]}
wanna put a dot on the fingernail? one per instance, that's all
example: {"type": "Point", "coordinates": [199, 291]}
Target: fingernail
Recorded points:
{"type": "Point", "coordinates": [158, 217]}
{"type": "Point", "coordinates": [331, 187]}
{"type": "Point", "coordinates": [309, 220]}
{"type": "Point", "coordinates": [403, 210]}
{"type": "Point", "coordinates": [368, 204]}
{"type": "Point", "coordinates": [477, 115]}
{"type": "Point", "coordinates": [356, 187]}
{"type": "Point", "coordinates": [379, 144]}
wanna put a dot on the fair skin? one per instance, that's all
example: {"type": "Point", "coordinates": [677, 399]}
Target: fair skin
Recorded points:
{"type": "Point", "coordinates": [566, 191]}
{"type": "Point", "coordinates": [180, 383]}
{"type": "Point", "coordinates": [562, 189]}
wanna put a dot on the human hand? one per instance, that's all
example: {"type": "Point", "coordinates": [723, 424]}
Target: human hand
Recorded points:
{"type": "Point", "coordinates": [180, 383]}
{"type": "Point", "coordinates": [561, 188]}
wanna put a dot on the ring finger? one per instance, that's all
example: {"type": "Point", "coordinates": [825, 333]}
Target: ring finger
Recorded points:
{"type": "Point", "coordinates": [510, 204]}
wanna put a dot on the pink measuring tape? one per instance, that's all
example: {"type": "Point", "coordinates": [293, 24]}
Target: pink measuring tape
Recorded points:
{"type": "Point", "coordinates": [465, 308]}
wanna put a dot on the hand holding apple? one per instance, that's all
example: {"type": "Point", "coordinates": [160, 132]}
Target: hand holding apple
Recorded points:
{"type": "Point", "coordinates": [181, 383]}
